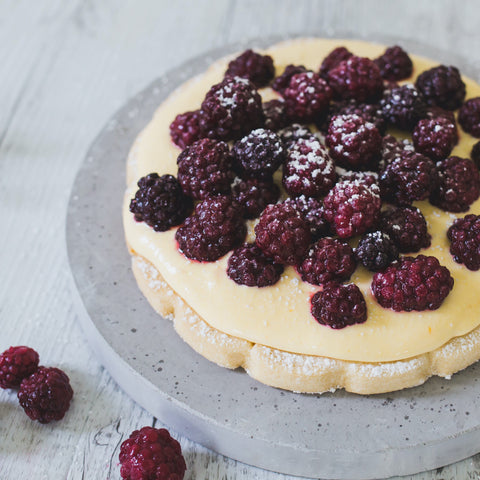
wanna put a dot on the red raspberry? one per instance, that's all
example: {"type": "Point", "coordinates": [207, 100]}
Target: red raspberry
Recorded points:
{"type": "Point", "coordinates": [339, 306]}
{"type": "Point", "coordinates": [352, 208]}
{"type": "Point", "coordinates": [329, 259]}
{"type": "Point", "coordinates": [458, 186]}
{"type": "Point", "coordinates": [275, 115]}
{"type": "Point", "coordinates": [469, 116]}
{"type": "Point", "coordinates": [353, 142]}
{"type": "Point", "coordinates": [248, 265]}
{"type": "Point", "coordinates": [464, 236]}
{"type": "Point", "coordinates": [257, 68]}
{"type": "Point", "coordinates": [307, 97]}
{"type": "Point", "coordinates": [46, 394]}
{"type": "Point", "coordinates": [283, 234]}
{"type": "Point", "coordinates": [294, 132]}
{"type": "Point", "coordinates": [376, 251]}
{"type": "Point", "coordinates": [185, 129]}
{"type": "Point", "coordinates": [308, 169]}
{"type": "Point", "coordinates": [394, 64]}
{"type": "Point", "coordinates": [311, 209]}
{"type": "Point", "coordinates": [419, 284]}
{"type": "Point", "coordinates": [435, 137]}
{"type": "Point", "coordinates": [358, 78]}
{"type": "Point", "coordinates": [281, 82]}
{"type": "Point", "coordinates": [254, 195]}
{"type": "Point", "coordinates": [334, 58]}
{"type": "Point", "coordinates": [17, 363]}
{"type": "Point", "coordinates": [151, 454]}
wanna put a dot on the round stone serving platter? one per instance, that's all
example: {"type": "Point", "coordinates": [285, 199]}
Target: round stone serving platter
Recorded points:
{"type": "Point", "coordinates": [332, 436]}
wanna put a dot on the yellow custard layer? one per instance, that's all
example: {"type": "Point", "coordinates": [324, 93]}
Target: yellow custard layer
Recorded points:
{"type": "Point", "coordinates": [279, 316]}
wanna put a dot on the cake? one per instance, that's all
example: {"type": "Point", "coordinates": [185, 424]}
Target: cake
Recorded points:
{"type": "Point", "coordinates": [313, 299]}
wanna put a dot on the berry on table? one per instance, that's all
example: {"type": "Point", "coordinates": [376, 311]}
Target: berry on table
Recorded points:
{"type": "Point", "coordinates": [336, 56]}
{"type": "Point", "coordinates": [254, 195]}
{"type": "Point", "coordinates": [281, 82]}
{"type": "Point", "coordinates": [17, 363]}
{"type": "Point", "coordinates": [469, 116]}
{"type": "Point", "coordinates": [311, 209]}
{"type": "Point", "coordinates": [257, 68]}
{"type": "Point", "coordinates": [435, 137]}
{"type": "Point", "coordinates": [394, 64]}
{"type": "Point", "coordinates": [376, 251]}
{"type": "Point", "coordinates": [275, 115]}
{"type": "Point", "coordinates": [464, 236]}
{"type": "Point", "coordinates": [185, 129]}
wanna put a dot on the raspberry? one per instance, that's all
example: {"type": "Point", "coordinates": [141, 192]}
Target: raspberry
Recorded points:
{"type": "Point", "coordinates": [17, 363]}
{"type": "Point", "coordinates": [259, 154]}
{"type": "Point", "coordinates": [254, 195]}
{"type": "Point", "coordinates": [45, 395]}
{"type": "Point", "coordinates": [306, 97]}
{"type": "Point", "coordinates": [458, 186]}
{"type": "Point", "coordinates": [257, 68]}
{"type": "Point", "coordinates": [442, 86]}
{"type": "Point", "coordinates": [248, 265]}
{"type": "Point", "coordinates": [464, 236]}
{"type": "Point", "coordinates": [339, 306]}
{"type": "Point", "coordinates": [358, 78]}
{"type": "Point", "coordinates": [311, 211]}
{"type": "Point", "coordinates": [205, 168]}
{"type": "Point", "coordinates": [231, 109]}
{"type": "Point", "coordinates": [435, 137]}
{"type": "Point", "coordinates": [215, 228]}
{"type": "Point", "coordinates": [394, 64]}
{"type": "Point", "coordinates": [475, 154]}
{"type": "Point", "coordinates": [160, 202]}
{"type": "Point", "coordinates": [352, 208]}
{"type": "Point", "coordinates": [294, 132]}
{"type": "Point", "coordinates": [403, 107]}
{"type": "Point", "coordinates": [151, 454]}
{"type": "Point", "coordinates": [185, 129]}
{"type": "Point", "coordinates": [329, 259]}
{"type": "Point", "coordinates": [408, 178]}
{"type": "Point", "coordinates": [281, 82]}
{"type": "Point", "coordinates": [275, 115]}
{"type": "Point", "coordinates": [283, 234]}
{"type": "Point", "coordinates": [353, 142]}
{"type": "Point", "coordinates": [407, 227]}
{"type": "Point", "coordinates": [376, 251]}
{"type": "Point", "coordinates": [308, 169]}
{"type": "Point", "coordinates": [419, 284]}
{"type": "Point", "coordinates": [334, 58]}
{"type": "Point", "coordinates": [469, 116]}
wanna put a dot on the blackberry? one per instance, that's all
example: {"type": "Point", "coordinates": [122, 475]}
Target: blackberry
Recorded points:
{"type": "Point", "coordinates": [458, 186]}
{"type": "Point", "coordinates": [289, 135]}
{"type": "Point", "coordinates": [216, 227]}
{"type": "Point", "coordinates": [442, 86]}
{"type": "Point", "coordinates": [281, 82]}
{"type": "Point", "coordinates": [160, 202]}
{"type": "Point", "coordinates": [275, 115]}
{"type": "Point", "coordinates": [418, 284]}
{"type": "Point", "coordinates": [469, 116]}
{"type": "Point", "coordinates": [311, 209]}
{"type": "Point", "coordinates": [394, 64]}
{"type": "Point", "coordinates": [393, 149]}
{"type": "Point", "coordinates": [464, 236]}
{"type": "Point", "coordinates": [368, 178]}
{"type": "Point", "coordinates": [248, 265]}
{"type": "Point", "coordinates": [435, 137]}
{"type": "Point", "coordinates": [185, 129]}
{"type": "Point", "coordinates": [308, 169]}
{"type": "Point", "coordinates": [475, 154]}
{"type": "Point", "coordinates": [435, 112]}
{"type": "Point", "coordinates": [17, 363]}
{"type": "Point", "coordinates": [205, 168]}
{"type": "Point", "coordinates": [255, 67]}
{"type": "Point", "coordinates": [334, 58]}
{"type": "Point", "coordinates": [328, 259]}
{"type": "Point", "coordinates": [376, 251]}
{"type": "Point", "coordinates": [283, 234]}
{"type": "Point", "coordinates": [254, 195]}
{"type": "Point", "coordinates": [231, 109]}
{"type": "Point", "coordinates": [339, 306]}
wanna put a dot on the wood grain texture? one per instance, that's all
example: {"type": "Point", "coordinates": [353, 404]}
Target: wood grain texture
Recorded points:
{"type": "Point", "coordinates": [66, 66]}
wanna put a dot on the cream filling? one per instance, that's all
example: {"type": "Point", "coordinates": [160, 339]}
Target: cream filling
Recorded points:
{"type": "Point", "coordinates": [279, 316]}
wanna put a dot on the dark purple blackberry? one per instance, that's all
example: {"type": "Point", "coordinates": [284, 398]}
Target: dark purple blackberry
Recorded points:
{"type": "Point", "coordinates": [464, 236]}
{"type": "Point", "coordinates": [258, 154]}
{"type": "Point", "coordinates": [281, 82]}
{"type": "Point", "coordinates": [311, 209]}
{"type": "Point", "coordinates": [357, 78]}
{"type": "Point", "coordinates": [17, 363]}
{"type": "Point", "coordinates": [308, 169]}
{"type": "Point", "coordinates": [254, 195]}
{"type": "Point", "coordinates": [248, 265]}
{"type": "Point", "coordinates": [334, 58]}
{"type": "Point", "coordinates": [289, 135]}
{"type": "Point", "coordinates": [160, 202]}
{"type": "Point", "coordinates": [458, 186]}
{"type": "Point", "coordinates": [434, 112]}
{"type": "Point", "coordinates": [275, 115]}
{"type": "Point", "coordinates": [306, 97]}
{"type": "Point", "coordinates": [328, 260]}
{"type": "Point", "coordinates": [255, 67]}
{"type": "Point", "coordinates": [352, 208]}
{"type": "Point", "coordinates": [442, 86]}
{"type": "Point", "coordinates": [469, 116]}
{"type": "Point", "coordinates": [376, 251]}
{"type": "Point", "coordinates": [354, 143]}
{"type": "Point", "coordinates": [231, 109]}
{"type": "Point", "coordinates": [435, 137]}
{"type": "Point", "coordinates": [339, 306]}
{"type": "Point", "coordinates": [216, 227]}
{"type": "Point", "coordinates": [368, 178]}
{"type": "Point", "coordinates": [407, 227]}
{"type": "Point", "coordinates": [393, 149]}
{"type": "Point", "coordinates": [408, 178]}
{"type": "Point", "coordinates": [475, 154]}
{"type": "Point", "coordinates": [403, 107]}
{"type": "Point", "coordinates": [394, 64]}
{"type": "Point", "coordinates": [205, 168]}
{"type": "Point", "coordinates": [418, 284]}
{"type": "Point", "coordinates": [283, 234]}
{"type": "Point", "coordinates": [185, 129]}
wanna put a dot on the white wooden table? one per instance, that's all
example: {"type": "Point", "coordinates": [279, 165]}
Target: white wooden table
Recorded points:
{"type": "Point", "coordinates": [65, 68]}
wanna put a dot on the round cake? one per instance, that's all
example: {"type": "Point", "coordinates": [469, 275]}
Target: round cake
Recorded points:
{"type": "Point", "coordinates": [309, 213]}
